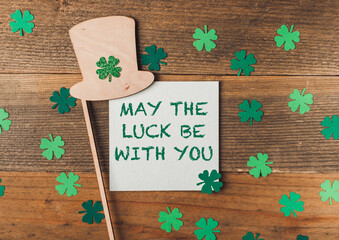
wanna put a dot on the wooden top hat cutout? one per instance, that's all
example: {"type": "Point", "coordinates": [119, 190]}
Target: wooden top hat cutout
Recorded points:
{"type": "Point", "coordinates": [101, 38]}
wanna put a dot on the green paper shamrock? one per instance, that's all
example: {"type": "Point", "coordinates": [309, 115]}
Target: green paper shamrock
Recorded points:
{"type": "Point", "coordinates": [92, 212]}
{"type": "Point", "coordinates": [68, 184]}
{"type": "Point", "coordinates": [22, 23]}
{"type": "Point", "coordinates": [53, 147]}
{"type": "Point", "coordinates": [2, 189]}
{"type": "Point", "coordinates": [332, 127]}
{"type": "Point", "coordinates": [300, 100]}
{"type": "Point", "coordinates": [207, 230]}
{"type": "Point", "coordinates": [250, 111]}
{"type": "Point", "coordinates": [209, 181]}
{"type": "Point", "coordinates": [63, 100]}
{"type": "Point", "coordinates": [259, 165]}
{"type": "Point", "coordinates": [286, 37]}
{"type": "Point", "coordinates": [291, 205]}
{"type": "Point", "coordinates": [301, 237]}
{"type": "Point", "coordinates": [108, 68]}
{"type": "Point", "coordinates": [154, 57]}
{"type": "Point", "coordinates": [170, 220]}
{"type": "Point", "coordinates": [250, 236]}
{"type": "Point", "coordinates": [243, 63]}
{"type": "Point", "coordinates": [330, 191]}
{"type": "Point", "coordinates": [204, 38]}
{"type": "Point", "coordinates": [4, 123]}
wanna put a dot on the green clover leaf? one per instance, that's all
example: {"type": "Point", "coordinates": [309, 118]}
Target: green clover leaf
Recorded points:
{"type": "Point", "coordinates": [259, 165]}
{"type": "Point", "coordinates": [301, 237]}
{"type": "Point", "coordinates": [300, 100]}
{"type": "Point", "coordinates": [250, 236]}
{"type": "Point", "coordinates": [209, 181]}
{"type": "Point", "coordinates": [63, 100]}
{"type": "Point", "coordinates": [154, 57]}
{"type": "Point", "coordinates": [2, 189]}
{"type": "Point", "coordinates": [204, 38]}
{"type": "Point", "coordinates": [243, 63]}
{"type": "Point", "coordinates": [108, 68]}
{"type": "Point", "coordinates": [250, 111]}
{"type": "Point", "coordinates": [170, 220]}
{"type": "Point", "coordinates": [207, 229]}
{"type": "Point", "coordinates": [332, 127]}
{"type": "Point", "coordinates": [330, 191]}
{"type": "Point", "coordinates": [53, 147]}
{"type": "Point", "coordinates": [92, 212]}
{"type": "Point", "coordinates": [68, 184]}
{"type": "Point", "coordinates": [4, 123]}
{"type": "Point", "coordinates": [286, 37]}
{"type": "Point", "coordinates": [22, 23]}
{"type": "Point", "coordinates": [291, 205]}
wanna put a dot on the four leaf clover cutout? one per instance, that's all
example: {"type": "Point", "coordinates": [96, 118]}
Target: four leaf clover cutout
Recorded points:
{"type": "Point", "coordinates": [300, 101]}
{"type": "Point", "coordinates": [22, 22]}
{"type": "Point", "coordinates": [68, 184]}
{"type": "Point", "coordinates": [207, 229]}
{"type": "Point", "coordinates": [170, 219]}
{"type": "Point", "coordinates": [287, 37]}
{"type": "Point", "coordinates": [331, 191]}
{"type": "Point", "coordinates": [53, 147]}
{"type": "Point", "coordinates": [204, 38]}
{"type": "Point", "coordinates": [260, 165]}
{"type": "Point", "coordinates": [108, 68]}
{"type": "Point", "coordinates": [331, 127]}
{"type": "Point", "coordinates": [153, 57]}
{"type": "Point", "coordinates": [92, 212]}
{"type": "Point", "coordinates": [63, 100]}
{"type": "Point", "coordinates": [250, 111]}
{"type": "Point", "coordinates": [292, 205]}
{"type": "Point", "coordinates": [209, 181]}
{"type": "Point", "coordinates": [4, 122]}
{"type": "Point", "coordinates": [243, 63]}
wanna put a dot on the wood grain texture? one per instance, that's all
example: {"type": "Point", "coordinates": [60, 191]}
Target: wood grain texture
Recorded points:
{"type": "Point", "coordinates": [248, 24]}
{"type": "Point", "coordinates": [293, 142]}
{"type": "Point", "coordinates": [32, 209]}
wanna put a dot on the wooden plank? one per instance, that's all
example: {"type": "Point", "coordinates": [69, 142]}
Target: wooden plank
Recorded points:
{"type": "Point", "coordinates": [249, 25]}
{"type": "Point", "coordinates": [32, 209]}
{"type": "Point", "coordinates": [292, 141]}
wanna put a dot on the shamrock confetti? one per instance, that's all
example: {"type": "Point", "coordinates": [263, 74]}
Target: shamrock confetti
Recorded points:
{"type": "Point", "coordinates": [92, 212]}
{"type": "Point", "coordinates": [204, 38]}
{"type": "Point", "coordinates": [207, 229]}
{"type": "Point", "coordinates": [154, 57]}
{"type": "Point", "coordinates": [2, 189]}
{"type": "Point", "coordinates": [300, 100]}
{"type": "Point", "coordinates": [68, 184]}
{"type": "Point", "coordinates": [301, 237]}
{"type": "Point", "coordinates": [243, 63]}
{"type": "Point", "coordinates": [63, 100]}
{"type": "Point", "coordinates": [22, 23]}
{"type": "Point", "coordinates": [209, 181]}
{"type": "Point", "coordinates": [331, 192]}
{"type": "Point", "coordinates": [286, 37]}
{"type": "Point", "coordinates": [250, 236]}
{"type": "Point", "coordinates": [250, 111]}
{"type": "Point", "coordinates": [332, 127]}
{"type": "Point", "coordinates": [4, 122]}
{"type": "Point", "coordinates": [108, 68]}
{"type": "Point", "coordinates": [170, 220]}
{"type": "Point", "coordinates": [53, 147]}
{"type": "Point", "coordinates": [291, 205]}
{"type": "Point", "coordinates": [259, 165]}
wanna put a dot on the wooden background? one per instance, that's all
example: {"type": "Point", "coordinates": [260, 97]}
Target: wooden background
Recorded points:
{"type": "Point", "coordinates": [33, 66]}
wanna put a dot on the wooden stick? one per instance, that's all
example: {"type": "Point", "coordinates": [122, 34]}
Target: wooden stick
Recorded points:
{"type": "Point", "coordinates": [98, 170]}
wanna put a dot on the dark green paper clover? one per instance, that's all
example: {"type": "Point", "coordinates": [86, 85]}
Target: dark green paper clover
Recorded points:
{"type": "Point", "coordinates": [243, 63]}
{"type": "Point", "coordinates": [250, 236]}
{"type": "Point", "coordinates": [154, 57]}
{"type": "Point", "coordinates": [301, 237]}
{"type": "Point", "coordinates": [209, 181]}
{"type": "Point", "coordinates": [63, 100]}
{"type": "Point", "coordinates": [206, 229]}
{"type": "Point", "coordinates": [22, 22]}
{"type": "Point", "coordinates": [250, 111]}
{"type": "Point", "coordinates": [332, 127]}
{"type": "Point", "coordinates": [2, 189]}
{"type": "Point", "coordinates": [92, 212]}
{"type": "Point", "coordinates": [108, 68]}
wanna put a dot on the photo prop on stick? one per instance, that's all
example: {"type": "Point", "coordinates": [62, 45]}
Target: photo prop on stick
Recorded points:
{"type": "Point", "coordinates": [106, 52]}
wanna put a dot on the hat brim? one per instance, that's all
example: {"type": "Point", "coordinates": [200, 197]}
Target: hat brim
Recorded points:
{"type": "Point", "coordinates": [103, 90]}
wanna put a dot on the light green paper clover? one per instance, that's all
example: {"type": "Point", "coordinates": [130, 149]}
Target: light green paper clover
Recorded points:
{"type": "Point", "coordinates": [53, 147]}
{"type": "Point", "coordinates": [204, 38]}
{"type": "Point", "coordinates": [170, 219]}
{"type": "Point", "coordinates": [4, 122]}
{"type": "Point", "coordinates": [286, 37]}
{"type": "Point", "coordinates": [207, 229]}
{"type": "Point", "coordinates": [260, 165]}
{"type": "Point", "coordinates": [153, 57]}
{"type": "Point", "coordinates": [332, 127]}
{"type": "Point", "coordinates": [92, 212]}
{"type": "Point", "coordinates": [22, 23]}
{"type": "Point", "coordinates": [108, 68]}
{"type": "Point", "coordinates": [331, 192]}
{"type": "Point", "coordinates": [209, 181]}
{"type": "Point", "coordinates": [68, 184]}
{"type": "Point", "coordinates": [251, 111]}
{"type": "Point", "coordinates": [300, 100]}
{"type": "Point", "coordinates": [243, 63]}
{"type": "Point", "coordinates": [250, 236]}
{"type": "Point", "coordinates": [291, 205]}
{"type": "Point", "coordinates": [2, 189]}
